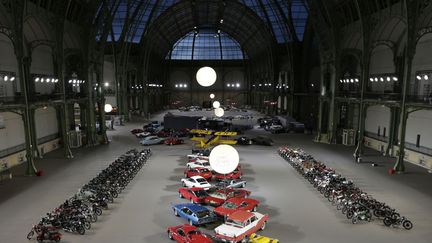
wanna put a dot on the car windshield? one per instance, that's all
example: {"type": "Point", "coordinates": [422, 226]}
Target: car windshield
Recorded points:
{"type": "Point", "coordinates": [201, 193]}
{"type": "Point", "coordinates": [200, 180]}
{"type": "Point", "coordinates": [194, 232]}
{"type": "Point", "coordinates": [234, 223]}
{"type": "Point", "coordinates": [218, 195]}
{"type": "Point", "coordinates": [202, 214]}
{"type": "Point", "coordinates": [229, 205]}
{"type": "Point", "coordinates": [206, 163]}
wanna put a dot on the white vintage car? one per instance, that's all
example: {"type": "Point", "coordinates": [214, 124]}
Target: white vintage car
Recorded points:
{"type": "Point", "coordinates": [196, 181]}
{"type": "Point", "coordinates": [197, 156]}
{"type": "Point", "coordinates": [240, 225]}
{"type": "Point", "coordinates": [199, 163]}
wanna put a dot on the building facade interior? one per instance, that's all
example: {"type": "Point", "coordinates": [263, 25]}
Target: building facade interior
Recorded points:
{"type": "Point", "coordinates": [109, 132]}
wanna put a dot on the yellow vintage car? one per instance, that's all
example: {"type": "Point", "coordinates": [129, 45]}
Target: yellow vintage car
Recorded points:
{"type": "Point", "coordinates": [254, 238]}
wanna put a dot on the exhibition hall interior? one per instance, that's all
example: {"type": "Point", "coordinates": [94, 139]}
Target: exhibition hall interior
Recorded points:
{"type": "Point", "coordinates": [194, 121]}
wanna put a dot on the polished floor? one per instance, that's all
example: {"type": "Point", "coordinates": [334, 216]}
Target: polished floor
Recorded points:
{"type": "Point", "coordinates": [298, 213]}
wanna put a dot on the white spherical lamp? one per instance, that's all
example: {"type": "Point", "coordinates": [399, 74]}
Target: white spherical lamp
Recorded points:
{"type": "Point", "coordinates": [212, 96]}
{"type": "Point", "coordinates": [219, 112]}
{"type": "Point", "coordinates": [216, 104]}
{"type": "Point", "coordinates": [206, 76]}
{"type": "Point", "coordinates": [108, 108]}
{"type": "Point", "coordinates": [224, 159]}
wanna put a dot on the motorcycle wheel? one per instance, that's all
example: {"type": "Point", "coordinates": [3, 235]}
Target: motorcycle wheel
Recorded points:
{"type": "Point", "coordinates": [344, 210]}
{"type": "Point", "coordinates": [114, 194]}
{"type": "Point", "coordinates": [376, 213]}
{"type": "Point", "coordinates": [407, 224]}
{"type": "Point", "coordinates": [98, 211]}
{"type": "Point", "coordinates": [30, 235]}
{"type": "Point", "coordinates": [349, 214]}
{"type": "Point", "coordinates": [387, 221]}
{"type": "Point", "coordinates": [354, 220]}
{"type": "Point", "coordinates": [87, 225]}
{"type": "Point", "coordinates": [94, 217]}
{"type": "Point", "coordinates": [80, 230]}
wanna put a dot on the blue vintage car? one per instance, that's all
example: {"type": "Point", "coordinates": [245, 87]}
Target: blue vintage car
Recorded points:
{"type": "Point", "coordinates": [195, 214]}
{"type": "Point", "coordinates": [151, 140]}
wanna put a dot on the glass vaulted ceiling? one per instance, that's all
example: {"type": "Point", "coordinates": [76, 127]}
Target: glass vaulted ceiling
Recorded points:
{"type": "Point", "coordinates": [275, 13]}
{"type": "Point", "coordinates": [206, 45]}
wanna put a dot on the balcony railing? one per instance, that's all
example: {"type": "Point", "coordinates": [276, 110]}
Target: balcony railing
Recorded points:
{"type": "Point", "coordinates": [18, 99]}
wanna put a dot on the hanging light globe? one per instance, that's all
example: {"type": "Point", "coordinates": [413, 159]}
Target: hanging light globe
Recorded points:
{"type": "Point", "coordinates": [212, 96]}
{"type": "Point", "coordinates": [108, 108]}
{"type": "Point", "coordinates": [224, 159]}
{"type": "Point", "coordinates": [216, 104]}
{"type": "Point", "coordinates": [219, 112]}
{"type": "Point", "coordinates": [206, 76]}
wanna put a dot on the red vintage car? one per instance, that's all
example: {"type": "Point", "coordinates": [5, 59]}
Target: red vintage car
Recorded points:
{"type": "Point", "coordinates": [218, 197]}
{"type": "Point", "coordinates": [234, 204]}
{"type": "Point", "coordinates": [236, 174]}
{"type": "Point", "coordinates": [187, 234]}
{"type": "Point", "coordinates": [194, 195]}
{"type": "Point", "coordinates": [204, 172]}
{"type": "Point", "coordinates": [173, 141]}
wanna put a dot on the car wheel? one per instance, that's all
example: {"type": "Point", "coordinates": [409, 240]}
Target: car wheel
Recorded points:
{"type": "Point", "coordinates": [192, 201]}
{"type": "Point", "coordinates": [190, 222]}
{"type": "Point", "coordinates": [184, 184]}
{"type": "Point", "coordinates": [263, 226]}
{"type": "Point", "coordinates": [176, 213]}
{"type": "Point", "coordinates": [170, 235]}
{"type": "Point", "coordinates": [254, 209]}
{"type": "Point", "coordinates": [180, 195]}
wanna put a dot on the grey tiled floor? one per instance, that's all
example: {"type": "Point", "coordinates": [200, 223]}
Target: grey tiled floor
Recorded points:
{"type": "Point", "coordinates": [297, 212]}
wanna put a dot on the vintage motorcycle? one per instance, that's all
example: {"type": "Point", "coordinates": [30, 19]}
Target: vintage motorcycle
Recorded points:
{"type": "Point", "coordinates": [396, 221]}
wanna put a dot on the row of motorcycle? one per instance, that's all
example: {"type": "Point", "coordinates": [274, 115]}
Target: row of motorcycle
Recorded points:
{"type": "Point", "coordinates": [77, 213]}
{"type": "Point", "coordinates": [354, 203]}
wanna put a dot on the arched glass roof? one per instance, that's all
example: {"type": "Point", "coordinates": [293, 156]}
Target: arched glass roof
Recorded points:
{"type": "Point", "coordinates": [206, 45]}
{"type": "Point", "coordinates": [138, 14]}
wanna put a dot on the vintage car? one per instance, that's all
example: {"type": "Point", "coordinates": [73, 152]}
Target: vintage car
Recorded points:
{"type": "Point", "coordinates": [276, 129]}
{"type": "Point", "coordinates": [194, 195]}
{"type": "Point", "coordinates": [163, 133]}
{"type": "Point", "coordinates": [195, 181]}
{"type": "Point", "coordinates": [195, 214]}
{"type": "Point", "coordinates": [197, 157]}
{"type": "Point", "coordinates": [142, 134]}
{"type": "Point", "coordinates": [254, 238]}
{"type": "Point", "coordinates": [199, 163]}
{"type": "Point", "coordinates": [152, 140]}
{"type": "Point", "coordinates": [135, 131]}
{"type": "Point", "coordinates": [244, 141]}
{"type": "Point", "coordinates": [199, 171]}
{"type": "Point", "coordinates": [231, 184]}
{"type": "Point", "coordinates": [218, 197]}
{"type": "Point", "coordinates": [236, 174]}
{"type": "Point", "coordinates": [173, 141]}
{"type": "Point", "coordinates": [240, 225]}
{"type": "Point", "coordinates": [234, 204]}
{"type": "Point", "coordinates": [262, 140]}
{"type": "Point", "coordinates": [187, 234]}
